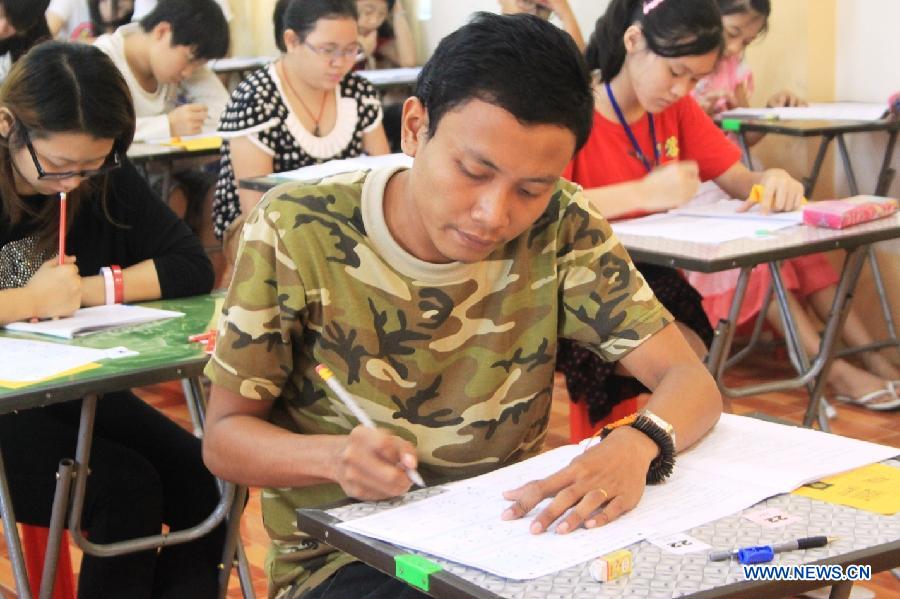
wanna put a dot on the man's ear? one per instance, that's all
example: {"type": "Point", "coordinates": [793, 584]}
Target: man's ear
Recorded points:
{"type": "Point", "coordinates": [633, 38]}
{"type": "Point", "coordinates": [413, 126]}
{"type": "Point", "coordinates": [6, 122]}
{"type": "Point", "coordinates": [160, 30]}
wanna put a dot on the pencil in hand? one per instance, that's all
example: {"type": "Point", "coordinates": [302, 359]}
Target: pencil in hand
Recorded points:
{"type": "Point", "coordinates": [325, 373]}
{"type": "Point", "coordinates": [62, 228]}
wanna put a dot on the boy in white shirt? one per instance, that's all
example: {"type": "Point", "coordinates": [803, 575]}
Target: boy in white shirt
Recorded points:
{"type": "Point", "coordinates": [163, 59]}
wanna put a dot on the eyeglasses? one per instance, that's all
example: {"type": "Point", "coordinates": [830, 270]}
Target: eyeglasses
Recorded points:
{"type": "Point", "coordinates": [533, 7]}
{"type": "Point", "coordinates": [332, 53]}
{"type": "Point", "coordinates": [113, 161]}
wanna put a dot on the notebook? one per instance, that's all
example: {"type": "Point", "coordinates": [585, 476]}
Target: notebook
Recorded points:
{"type": "Point", "coordinates": [93, 320]}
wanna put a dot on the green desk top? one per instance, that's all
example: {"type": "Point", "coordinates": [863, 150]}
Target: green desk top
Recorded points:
{"type": "Point", "coordinates": [164, 353]}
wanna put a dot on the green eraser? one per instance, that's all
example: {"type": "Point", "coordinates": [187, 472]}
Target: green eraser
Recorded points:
{"type": "Point", "coordinates": [731, 124]}
{"type": "Point", "coordinates": [415, 569]}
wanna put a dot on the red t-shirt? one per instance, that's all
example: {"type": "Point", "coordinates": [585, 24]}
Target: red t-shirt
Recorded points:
{"type": "Point", "coordinates": [683, 132]}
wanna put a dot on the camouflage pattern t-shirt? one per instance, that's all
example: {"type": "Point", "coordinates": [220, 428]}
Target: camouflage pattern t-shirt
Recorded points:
{"type": "Point", "coordinates": [456, 358]}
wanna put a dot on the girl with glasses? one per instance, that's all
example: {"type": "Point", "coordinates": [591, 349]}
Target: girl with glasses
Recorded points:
{"type": "Point", "coordinates": [384, 34]}
{"type": "Point", "coordinates": [544, 9]}
{"type": "Point", "coordinates": [318, 110]}
{"type": "Point", "coordinates": [62, 133]}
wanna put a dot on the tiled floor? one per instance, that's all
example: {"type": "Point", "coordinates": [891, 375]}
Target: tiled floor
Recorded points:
{"type": "Point", "coordinates": [856, 422]}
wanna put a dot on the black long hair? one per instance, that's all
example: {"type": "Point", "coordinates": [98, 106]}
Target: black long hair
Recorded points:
{"type": "Point", "coordinates": [60, 87]}
{"type": "Point", "coordinates": [301, 16]}
{"type": "Point", "coordinates": [672, 28]}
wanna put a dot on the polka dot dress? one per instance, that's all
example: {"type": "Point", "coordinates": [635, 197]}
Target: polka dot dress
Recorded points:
{"type": "Point", "coordinates": [260, 99]}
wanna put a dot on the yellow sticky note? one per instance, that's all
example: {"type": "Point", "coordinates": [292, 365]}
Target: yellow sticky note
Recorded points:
{"type": "Point", "coordinates": [195, 144]}
{"type": "Point", "coordinates": [76, 370]}
{"type": "Point", "coordinates": [874, 488]}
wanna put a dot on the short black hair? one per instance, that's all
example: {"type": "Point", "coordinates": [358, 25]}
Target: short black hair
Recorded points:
{"type": "Point", "coordinates": [199, 24]}
{"type": "Point", "coordinates": [519, 63]}
{"type": "Point", "coordinates": [301, 16]}
{"type": "Point", "coordinates": [671, 28]}
{"type": "Point", "coordinates": [24, 14]}
{"type": "Point", "coordinates": [738, 7]}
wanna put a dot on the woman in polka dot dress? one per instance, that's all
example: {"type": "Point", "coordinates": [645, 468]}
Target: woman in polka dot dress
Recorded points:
{"type": "Point", "coordinates": [319, 110]}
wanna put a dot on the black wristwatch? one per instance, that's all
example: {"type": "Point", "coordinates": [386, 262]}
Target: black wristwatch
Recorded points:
{"type": "Point", "coordinates": [661, 432]}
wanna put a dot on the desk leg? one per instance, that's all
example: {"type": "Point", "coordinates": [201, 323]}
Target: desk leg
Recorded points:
{"type": "Point", "coordinates": [745, 149]}
{"type": "Point", "coordinates": [232, 538]}
{"type": "Point", "coordinates": [193, 396]}
{"type": "Point", "coordinates": [11, 536]}
{"type": "Point", "coordinates": [841, 590]}
{"type": "Point", "coordinates": [724, 334]}
{"type": "Point", "coordinates": [57, 524]}
{"type": "Point", "coordinates": [835, 324]}
{"type": "Point", "coordinates": [799, 357]}
{"type": "Point", "coordinates": [886, 174]}
{"type": "Point", "coordinates": [848, 166]}
{"type": "Point", "coordinates": [810, 183]}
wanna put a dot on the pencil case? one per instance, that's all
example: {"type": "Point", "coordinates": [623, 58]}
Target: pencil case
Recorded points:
{"type": "Point", "coordinates": [838, 214]}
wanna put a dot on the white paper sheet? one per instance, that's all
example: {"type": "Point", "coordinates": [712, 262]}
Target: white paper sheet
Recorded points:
{"type": "Point", "coordinates": [347, 165]}
{"type": "Point", "coordinates": [837, 111]}
{"type": "Point", "coordinates": [741, 462]}
{"type": "Point", "coordinates": [26, 361]}
{"type": "Point", "coordinates": [699, 229]}
{"type": "Point", "coordinates": [93, 320]}
{"type": "Point", "coordinates": [729, 209]}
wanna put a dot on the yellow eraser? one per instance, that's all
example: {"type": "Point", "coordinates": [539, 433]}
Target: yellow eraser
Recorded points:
{"type": "Point", "coordinates": [611, 566]}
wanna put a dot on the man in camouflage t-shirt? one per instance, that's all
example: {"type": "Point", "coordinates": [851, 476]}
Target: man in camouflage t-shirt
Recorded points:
{"type": "Point", "coordinates": [436, 295]}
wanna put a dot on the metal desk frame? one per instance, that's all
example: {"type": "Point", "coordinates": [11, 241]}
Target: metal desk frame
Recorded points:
{"type": "Point", "coordinates": [828, 131]}
{"type": "Point", "coordinates": [746, 254]}
{"type": "Point", "coordinates": [72, 474]}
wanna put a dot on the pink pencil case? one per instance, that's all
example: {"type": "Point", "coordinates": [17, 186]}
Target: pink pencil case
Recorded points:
{"type": "Point", "coordinates": [838, 214]}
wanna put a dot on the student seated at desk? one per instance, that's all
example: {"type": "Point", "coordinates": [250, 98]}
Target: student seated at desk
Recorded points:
{"type": "Point", "coordinates": [22, 25]}
{"type": "Point", "coordinates": [163, 58]}
{"type": "Point", "coordinates": [68, 133]}
{"type": "Point", "coordinates": [730, 85]}
{"type": "Point", "coordinates": [384, 44]}
{"type": "Point", "coordinates": [322, 111]}
{"type": "Point", "coordinates": [544, 9]}
{"type": "Point", "coordinates": [109, 15]}
{"type": "Point", "coordinates": [437, 295]}
{"type": "Point", "coordinates": [650, 148]}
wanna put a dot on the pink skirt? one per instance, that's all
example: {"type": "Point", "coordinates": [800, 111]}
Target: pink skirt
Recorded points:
{"type": "Point", "coordinates": [804, 275]}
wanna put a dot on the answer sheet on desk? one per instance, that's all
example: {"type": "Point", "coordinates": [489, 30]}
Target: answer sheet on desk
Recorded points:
{"type": "Point", "coordinates": [463, 524]}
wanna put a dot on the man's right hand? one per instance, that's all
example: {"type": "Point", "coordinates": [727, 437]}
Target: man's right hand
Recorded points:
{"type": "Point", "coordinates": [370, 465]}
{"type": "Point", "coordinates": [187, 119]}
{"type": "Point", "coordinates": [55, 289]}
{"type": "Point", "coordinates": [670, 185]}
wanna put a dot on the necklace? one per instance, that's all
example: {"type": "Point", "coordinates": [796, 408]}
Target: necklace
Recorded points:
{"type": "Point", "coordinates": [634, 142]}
{"type": "Point", "coordinates": [316, 119]}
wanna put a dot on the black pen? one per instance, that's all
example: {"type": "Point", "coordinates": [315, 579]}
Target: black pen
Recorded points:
{"type": "Point", "coordinates": [766, 553]}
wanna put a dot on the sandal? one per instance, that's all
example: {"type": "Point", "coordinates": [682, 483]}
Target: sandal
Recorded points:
{"type": "Point", "coordinates": [892, 400]}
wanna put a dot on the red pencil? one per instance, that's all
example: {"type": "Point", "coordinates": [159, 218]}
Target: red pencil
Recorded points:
{"type": "Point", "coordinates": [62, 228]}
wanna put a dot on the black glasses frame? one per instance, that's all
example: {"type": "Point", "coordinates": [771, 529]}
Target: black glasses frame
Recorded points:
{"type": "Point", "coordinates": [113, 161]}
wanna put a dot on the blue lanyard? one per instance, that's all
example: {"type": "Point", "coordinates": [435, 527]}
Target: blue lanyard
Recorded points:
{"type": "Point", "coordinates": [637, 148]}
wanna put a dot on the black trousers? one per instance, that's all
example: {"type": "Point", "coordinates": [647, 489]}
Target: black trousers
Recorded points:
{"type": "Point", "coordinates": [359, 581]}
{"type": "Point", "coordinates": [145, 471]}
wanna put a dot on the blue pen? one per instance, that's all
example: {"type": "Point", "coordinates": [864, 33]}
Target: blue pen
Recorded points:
{"type": "Point", "coordinates": [766, 553]}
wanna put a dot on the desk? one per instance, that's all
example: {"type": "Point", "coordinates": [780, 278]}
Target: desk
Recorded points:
{"type": "Point", "coordinates": [164, 354]}
{"type": "Point", "coordinates": [145, 155]}
{"type": "Point", "coordinates": [827, 130]}
{"type": "Point", "coordinates": [747, 253]}
{"type": "Point", "coordinates": [864, 538]}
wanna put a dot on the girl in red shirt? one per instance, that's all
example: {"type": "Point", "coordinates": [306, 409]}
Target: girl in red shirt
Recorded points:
{"type": "Point", "coordinates": [650, 147]}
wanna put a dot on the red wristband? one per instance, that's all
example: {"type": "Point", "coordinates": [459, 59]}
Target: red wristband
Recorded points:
{"type": "Point", "coordinates": [118, 282]}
